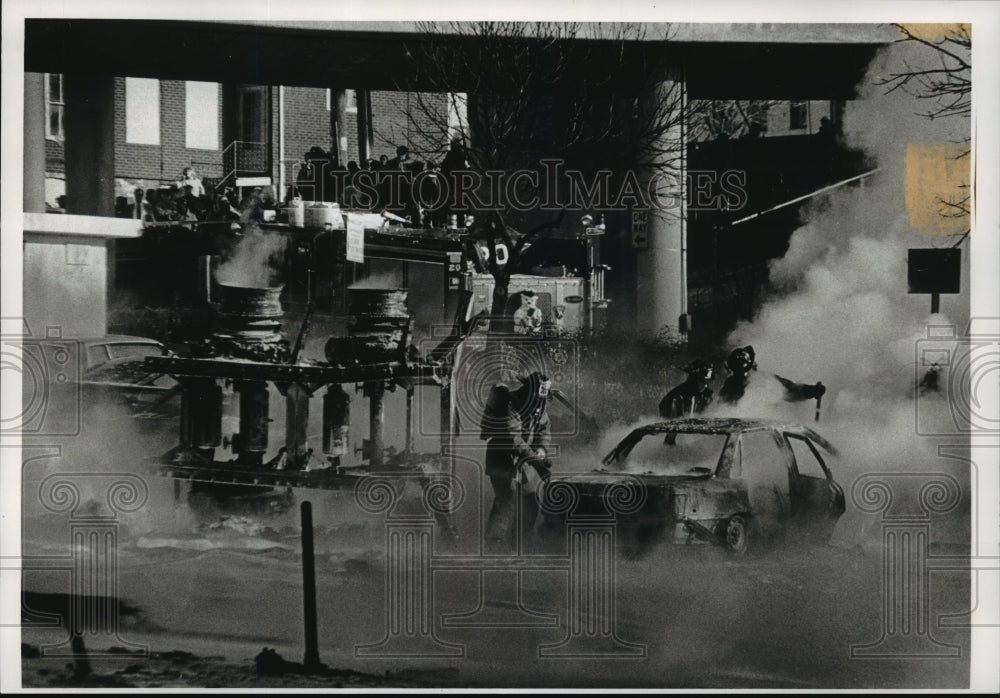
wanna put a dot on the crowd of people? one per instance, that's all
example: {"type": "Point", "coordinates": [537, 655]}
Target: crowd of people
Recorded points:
{"type": "Point", "coordinates": [184, 201]}
{"type": "Point", "coordinates": [427, 201]}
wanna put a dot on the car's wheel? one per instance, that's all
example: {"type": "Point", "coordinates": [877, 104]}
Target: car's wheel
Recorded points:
{"type": "Point", "coordinates": [737, 535]}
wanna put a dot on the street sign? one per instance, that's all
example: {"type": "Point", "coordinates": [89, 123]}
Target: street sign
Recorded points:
{"type": "Point", "coordinates": [355, 239]}
{"type": "Point", "coordinates": [640, 238]}
{"type": "Point", "coordinates": [934, 270]}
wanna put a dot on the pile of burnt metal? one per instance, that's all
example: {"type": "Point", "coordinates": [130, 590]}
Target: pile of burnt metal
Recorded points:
{"type": "Point", "coordinates": [248, 353]}
{"type": "Point", "coordinates": [380, 329]}
{"type": "Point", "coordinates": [248, 325]}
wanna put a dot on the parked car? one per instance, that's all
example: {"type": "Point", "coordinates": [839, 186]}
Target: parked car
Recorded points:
{"type": "Point", "coordinates": [112, 368]}
{"type": "Point", "coordinates": [727, 481]}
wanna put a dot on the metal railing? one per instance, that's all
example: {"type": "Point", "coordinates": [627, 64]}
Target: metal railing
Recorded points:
{"type": "Point", "coordinates": [242, 157]}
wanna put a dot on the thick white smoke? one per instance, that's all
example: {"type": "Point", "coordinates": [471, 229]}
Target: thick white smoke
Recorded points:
{"type": "Point", "coordinates": [843, 315]}
{"type": "Point", "coordinates": [841, 312]}
{"type": "Point", "coordinates": [385, 281]}
{"type": "Point", "coordinates": [255, 260]}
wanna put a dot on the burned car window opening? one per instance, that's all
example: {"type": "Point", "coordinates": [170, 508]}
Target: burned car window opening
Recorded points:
{"type": "Point", "coordinates": [694, 453]}
{"type": "Point", "coordinates": [808, 461]}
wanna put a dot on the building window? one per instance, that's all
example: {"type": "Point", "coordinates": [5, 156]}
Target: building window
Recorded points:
{"type": "Point", "coordinates": [55, 106]}
{"type": "Point", "coordinates": [201, 115]}
{"type": "Point", "coordinates": [797, 115]}
{"type": "Point", "coordinates": [142, 111]}
{"type": "Point", "coordinates": [352, 100]}
{"type": "Point", "coordinates": [458, 114]}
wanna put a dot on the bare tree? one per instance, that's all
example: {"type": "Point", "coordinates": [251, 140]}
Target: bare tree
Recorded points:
{"type": "Point", "coordinates": [947, 86]}
{"type": "Point", "coordinates": [710, 120]}
{"type": "Point", "coordinates": [944, 85]}
{"type": "Point", "coordinates": [595, 97]}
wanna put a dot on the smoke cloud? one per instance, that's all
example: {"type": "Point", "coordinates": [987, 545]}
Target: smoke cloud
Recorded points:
{"type": "Point", "coordinates": [255, 261]}
{"type": "Point", "coordinates": [379, 281]}
{"type": "Point", "coordinates": [840, 311]}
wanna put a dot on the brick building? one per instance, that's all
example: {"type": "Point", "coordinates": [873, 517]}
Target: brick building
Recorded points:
{"type": "Point", "coordinates": [250, 131]}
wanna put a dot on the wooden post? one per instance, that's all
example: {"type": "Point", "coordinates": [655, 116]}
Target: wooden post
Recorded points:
{"type": "Point", "coordinates": [363, 99]}
{"type": "Point", "coordinates": [338, 125]}
{"type": "Point", "coordinates": [409, 422]}
{"type": "Point", "coordinates": [448, 426]}
{"type": "Point", "coordinates": [376, 423]}
{"type": "Point", "coordinates": [35, 117]}
{"type": "Point", "coordinates": [205, 278]}
{"type": "Point", "coordinates": [309, 588]}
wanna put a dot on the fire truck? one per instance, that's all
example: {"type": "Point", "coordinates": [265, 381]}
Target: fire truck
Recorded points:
{"type": "Point", "coordinates": [561, 269]}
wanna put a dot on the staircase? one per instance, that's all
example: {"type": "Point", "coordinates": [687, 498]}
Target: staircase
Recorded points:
{"type": "Point", "coordinates": [244, 164]}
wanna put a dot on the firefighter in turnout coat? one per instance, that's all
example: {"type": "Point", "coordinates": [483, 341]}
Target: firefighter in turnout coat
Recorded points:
{"type": "Point", "coordinates": [740, 363]}
{"type": "Point", "coordinates": [515, 426]}
{"type": "Point", "coordinates": [690, 397]}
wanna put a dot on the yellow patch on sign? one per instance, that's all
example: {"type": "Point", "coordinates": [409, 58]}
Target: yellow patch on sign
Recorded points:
{"type": "Point", "coordinates": [937, 185]}
{"type": "Point", "coordinates": [939, 31]}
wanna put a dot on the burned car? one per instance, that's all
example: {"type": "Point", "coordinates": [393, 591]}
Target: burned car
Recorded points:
{"type": "Point", "coordinates": [112, 369]}
{"type": "Point", "coordinates": [727, 481]}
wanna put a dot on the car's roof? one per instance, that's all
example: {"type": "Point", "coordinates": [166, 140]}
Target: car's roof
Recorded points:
{"type": "Point", "coordinates": [716, 425]}
{"type": "Point", "coordinates": [729, 425]}
{"type": "Point", "coordinates": [119, 339]}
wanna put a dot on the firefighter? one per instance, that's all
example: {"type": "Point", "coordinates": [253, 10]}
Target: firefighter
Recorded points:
{"type": "Point", "coordinates": [515, 426]}
{"type": "Point", "coordinates": [740, 363]}
{"type": "Point", "coordinates": [691, 396]}
{"type": "Point", "coordinates": [931, 380]}
{"type": "Point", "coordinates": [688, 398]}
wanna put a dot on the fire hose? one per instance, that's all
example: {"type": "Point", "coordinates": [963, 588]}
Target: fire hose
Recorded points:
{"type": "Point", "coordinates": [585, 419]}
{"type": "Point", "coordinates": [799, 392]}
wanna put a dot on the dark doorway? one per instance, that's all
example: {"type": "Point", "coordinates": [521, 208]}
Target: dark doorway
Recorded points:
{"type": "Point", "coordinates": [248, 130]}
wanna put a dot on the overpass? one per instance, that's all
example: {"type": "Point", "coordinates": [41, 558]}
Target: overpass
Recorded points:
{"type": "Point", "coordinates": [711, 61]}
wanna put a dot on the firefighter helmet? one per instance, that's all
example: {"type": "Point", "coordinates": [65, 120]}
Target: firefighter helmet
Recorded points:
{"type": "Point", "coordinates": [742, 360]}
{"type": "Point", "coordinates": [700, 369]}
